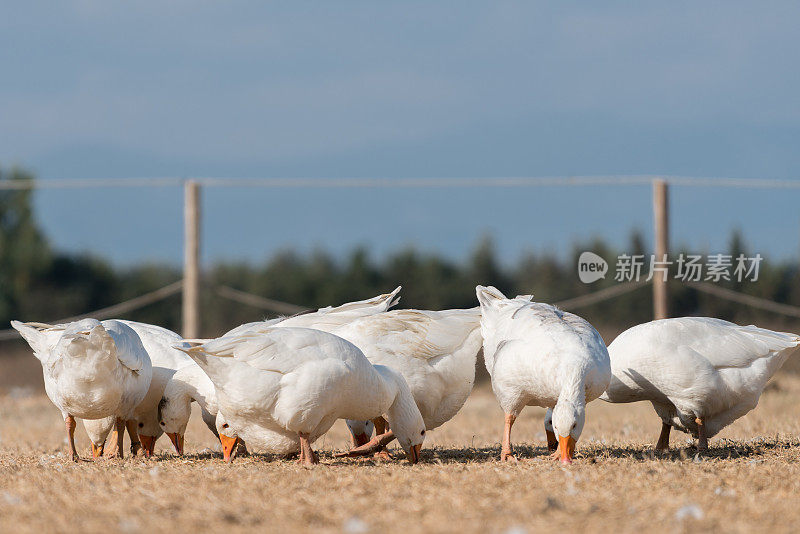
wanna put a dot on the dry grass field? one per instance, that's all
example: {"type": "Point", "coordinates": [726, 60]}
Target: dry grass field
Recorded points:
{"type": "Point", "coordinates": [749, 482]}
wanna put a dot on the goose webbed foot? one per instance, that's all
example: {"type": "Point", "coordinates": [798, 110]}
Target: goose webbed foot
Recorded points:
{"type": "Point", "coordinates": [375, 445]}
{"type": "Point", "coordinates": [97, 450]}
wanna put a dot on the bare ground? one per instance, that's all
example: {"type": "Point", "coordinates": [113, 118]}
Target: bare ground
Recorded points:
{"type": "Point", "coordinates": [749, 482]}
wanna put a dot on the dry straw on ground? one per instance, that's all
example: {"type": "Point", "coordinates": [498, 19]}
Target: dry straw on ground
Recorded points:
{"type": "Point", "coordinates": [749, 482]}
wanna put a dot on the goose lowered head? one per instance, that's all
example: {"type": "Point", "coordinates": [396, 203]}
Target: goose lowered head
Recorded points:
{"type": "Point", "coordinates": [403, 416]}
{"type": "Point", "coordinates": [228, 437]}
{"type": "Point", "coordinates": [569, 417]}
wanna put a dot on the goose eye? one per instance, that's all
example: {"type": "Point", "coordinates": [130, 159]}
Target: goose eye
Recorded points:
{"type": "Point", "coordinates": [141, 425]}
{"type": "Point", "coordinates": [161, 423]}
{"type": "Point", "coordinates": [422, 433]}
{"type": "Point", "coordinates": [225, 425]}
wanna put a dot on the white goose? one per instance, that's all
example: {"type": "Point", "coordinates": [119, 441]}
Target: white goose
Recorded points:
{"type": "Point", "coordinates": [538, 355]}
{"type": "Point", "coordinates": [282, 388]}
{"type": "Point", "coordinates": [166, 361]}
{"type": "Point", "coordinates": [435, 351]}
{"type": "Point", "coordinates": [92, 370]}
{"type": "Point", "coordinates": [700, 374]}
{"type": "Point", "coordinates": [189, 384]}
{"type": "Point", "coordinates": [194, 385]}
{"type": "Point", "coordinates": [46, 338]}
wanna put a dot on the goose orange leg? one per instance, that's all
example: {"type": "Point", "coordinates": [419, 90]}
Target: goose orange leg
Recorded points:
{"type": "Point", "coordinates": [381, 426]}
{"type": "Point", "coordinates": [307, 454]}
{"type": "Point", "coordinates": [552, 441]}
{"type": "Point", "coordinates": [663, 439]}
{"type": "Point", "coordinates": [241, 449]}
{"type": "Point", "coordinates": [112, 449]}
{"type": "Point", "coordinates": [702, 438]}
{"type": "Point", "coordinates": [120, 435]}
{"type": "Point", "coordinates": [69, 421]}
{"type": "Point", "coordinates": [506, 451]}
{"type": "Point", "coordinates": [133, 433]}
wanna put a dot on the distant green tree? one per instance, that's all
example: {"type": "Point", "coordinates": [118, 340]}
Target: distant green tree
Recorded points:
{"type": "Point", "coordinates": [638, 244]}
{"type": "Point", "coordinates": [360, 275]}
{"type": "Point", "coordinates": [427, 280]}
{"type": "Point", "coordinates": [24, 251]}
{"type": "Point", "coordinates": [39, 284]}
{"type": "Point", "coordinates": [484, 268]}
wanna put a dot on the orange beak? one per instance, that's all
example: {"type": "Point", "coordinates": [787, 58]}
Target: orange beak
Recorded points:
{"type": "Point", "coordinates": [414, 453]}
{"type": "Point", "coordinates": [228, 444]}
{"type": "Point", "coordinates": [148, 444]}
{"type": "Point", "coordinates": [177, 441]}
{"type": "Point", "coordinates": [567, 448]}
{"type": "Point", "coordinates": [360, 439]}
{"type": "Point", "coordinates": [97, 450]}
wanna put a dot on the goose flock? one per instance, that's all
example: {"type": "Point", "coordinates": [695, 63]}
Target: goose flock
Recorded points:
{"type": "Point", "coordinates": [277, 386]}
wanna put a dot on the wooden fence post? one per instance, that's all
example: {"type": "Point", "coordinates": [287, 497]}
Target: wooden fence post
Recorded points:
{"type": "Point", "coordinates": [191, 260]}
{"type": "Point", "coordinates": [661, 224]}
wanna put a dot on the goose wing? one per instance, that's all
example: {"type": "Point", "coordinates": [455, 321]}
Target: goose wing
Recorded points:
{"type": "Point", "coordinates": [327, 318]}
{"type": "Point", "coordinates": [417, 333]}
{"type": "Point", "coordinates": [279, 350]}
{"type": "Point", "coordinates": [130, 351]}
{"type": "Point", "coordinates": [724, 344]}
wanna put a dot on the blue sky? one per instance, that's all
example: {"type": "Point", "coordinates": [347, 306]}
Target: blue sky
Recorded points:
{"type": "Point", "coordinates": [374, 89]}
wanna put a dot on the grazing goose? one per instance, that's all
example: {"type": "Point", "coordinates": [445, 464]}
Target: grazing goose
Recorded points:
{"type": "Point", "coordinates": [435, 351]}
{"type": "Point", "coordinates": [46, 337]}
{"type": "Point", "coordinates": [700, 374]}
{"type": "Point", "coordinates": [282, 388]}
{"type": "Point", "coordinates": [195, 386]}
{"type": "Point", "coordinates": [538, 355]}
{"type": "Point", "coordinates": [92, 370]}
{"type": "Point", "coordinates": [166, 361]}
{"type": "Point", "coordinates": [189, 384]}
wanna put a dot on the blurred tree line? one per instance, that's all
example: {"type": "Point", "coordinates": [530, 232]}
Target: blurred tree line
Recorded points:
{"type": "Point", "coordinates": [42, 284]}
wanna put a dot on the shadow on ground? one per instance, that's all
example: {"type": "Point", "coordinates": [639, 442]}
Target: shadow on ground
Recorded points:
{"type": "Point", "coordinates": [724, 449]}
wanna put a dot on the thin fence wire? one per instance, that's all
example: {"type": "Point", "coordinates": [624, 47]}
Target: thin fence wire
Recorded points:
{"type": "Point", "coordinates": [286, 308]}
{"type": "Point", "coordinates": [456, 182]}
{"type": "Point", "coordinates": [115, 310]}
{"type": "Point", "coordinates": [600, 296]}
{"type": "Point", "coordinates": [162, 293]}
{"type": "Point", "coordinates": [749, 300]}
{"type": "Point", "coordinates": [90, 183]}
{"type": "Point", "coordinates": [257, 301]}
